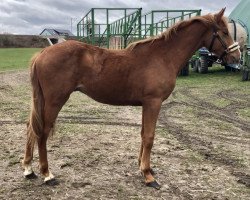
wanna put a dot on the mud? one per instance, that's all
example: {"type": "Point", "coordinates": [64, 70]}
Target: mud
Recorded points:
{"type": "Point", "coordinates": [201, 150]}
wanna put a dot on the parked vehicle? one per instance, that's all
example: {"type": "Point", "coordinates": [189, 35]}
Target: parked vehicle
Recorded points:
{"type": "Point", "coordinates": [202, 60]}
{"type": "Point", "coordinates": [246, 63]}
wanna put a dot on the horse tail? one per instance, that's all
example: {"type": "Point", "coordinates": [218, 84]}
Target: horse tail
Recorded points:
{"type": "Point", "coordinates": [36, 120]}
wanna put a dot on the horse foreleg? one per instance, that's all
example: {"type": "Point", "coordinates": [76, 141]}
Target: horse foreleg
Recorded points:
{"type": "Point", "coordinates": [151, 109]}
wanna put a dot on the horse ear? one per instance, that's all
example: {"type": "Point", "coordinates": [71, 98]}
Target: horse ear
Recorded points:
{"type": "Point", "coordinates": [219, 15]}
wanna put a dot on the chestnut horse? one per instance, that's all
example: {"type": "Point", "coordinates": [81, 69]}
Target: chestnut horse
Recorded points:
{"type": "Point", "coordinates": [143, 74]}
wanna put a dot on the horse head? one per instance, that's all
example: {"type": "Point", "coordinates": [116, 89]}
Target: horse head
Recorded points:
{"type": "Point", "coordinates": [219, 41]}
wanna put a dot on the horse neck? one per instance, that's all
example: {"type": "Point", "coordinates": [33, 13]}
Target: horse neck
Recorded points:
{"type": "Point", "coordinates": [178, 49]}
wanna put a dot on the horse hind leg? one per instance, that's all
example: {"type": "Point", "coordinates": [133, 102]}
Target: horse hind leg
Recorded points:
{"type": "Point", "coordinates": [42, 151]}
{"type": "Point", "coordinates": [26, 163]}
{"type": "Point", "coordinates": [141, 147]}
{"type": "Point", "coordinates": [51, 111]}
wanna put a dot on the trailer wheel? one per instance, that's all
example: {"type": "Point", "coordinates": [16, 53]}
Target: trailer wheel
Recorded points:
{"type": "Point", "coordinates": [203, 65]}
{"type": "Point", "coordinates": [245, 75]}
{"type": "Point", "coordinates": [185, 70]}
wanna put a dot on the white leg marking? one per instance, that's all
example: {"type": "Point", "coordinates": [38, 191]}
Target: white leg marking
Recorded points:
{"type": "Point", "coordinates": [51, 176]}
{"type": "Point", "coordinates": [27, 170]}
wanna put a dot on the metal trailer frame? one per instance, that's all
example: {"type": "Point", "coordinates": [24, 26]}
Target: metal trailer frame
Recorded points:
{"type": "Point", "coordinates": [92, 32]}
{"type": "Point", "coordinates": [130, 27]}
{"type": "Point", "coordinates": [153, 25]}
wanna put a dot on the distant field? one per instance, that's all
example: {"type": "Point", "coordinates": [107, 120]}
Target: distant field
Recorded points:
{"type": "Point", "coordinates": [16, 58]}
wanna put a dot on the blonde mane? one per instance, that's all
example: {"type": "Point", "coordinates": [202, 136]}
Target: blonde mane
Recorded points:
{"type": "Point", "coordinates": [207, 20]}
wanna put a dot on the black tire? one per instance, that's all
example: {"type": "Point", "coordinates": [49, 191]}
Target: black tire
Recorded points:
{"type": "Point", "coordinates": [195, 65]}
{"type": "Point", "coordinates": [210, 63]}
{"type": "Point", "coordinates": [185, 70]}
{"type": "Point", "coordinates": [245, 75]}
{"type": "Point", "coordinates": [227, 68]}
{"type": "Point", "coordinates": [203, 65]}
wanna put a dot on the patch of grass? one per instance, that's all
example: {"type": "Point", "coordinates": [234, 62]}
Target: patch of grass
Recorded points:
{"type": "Point", "coordinates": [221, 103]}
{"type": "Point", "coordinates": [219, 124]}
{"type": "Point", "coordinates": [23, 116]}
{"type": "Point", "coordinates": [16, 58]}
{"type": "Point", "coordinates": [69, 129]}
{"type": "Point", "coordinates": [194, 157]}
{"type": "Point", "coordinates": [245, 113]}
{"type": "Point", "coordinates": [13, 160]}
{"type": "Point", "coordinates": [2, 191]}
{"type": "Point", "coordinates": [217, 88]}
{"type": "Point", "coordinates": [233, 156]}
{"type": "Point", "coordinates": [11, 102]}
{"type": "Point", "coordinates": [216, 78]}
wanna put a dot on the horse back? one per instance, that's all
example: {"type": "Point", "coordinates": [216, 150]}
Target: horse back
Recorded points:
{"type": "Point", "coordinates": [108, 76]}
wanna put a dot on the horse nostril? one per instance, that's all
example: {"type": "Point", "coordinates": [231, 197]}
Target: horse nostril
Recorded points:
{"type": "Point", "coordinates": [235, 60]}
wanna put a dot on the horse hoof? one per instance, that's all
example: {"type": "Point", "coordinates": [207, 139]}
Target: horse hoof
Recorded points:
{"type": "Point", "coordinates": [152, 171]}
{"type": "Point", "coordinates": [51, 182]}
{"type": "Point", "coordinates": [31, 176]}
{"type": "Point", "coordinates": [153, 184]}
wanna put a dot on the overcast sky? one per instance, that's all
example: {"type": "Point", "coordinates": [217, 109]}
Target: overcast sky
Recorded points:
{"type": "Point", "coordinates": [32, 16]}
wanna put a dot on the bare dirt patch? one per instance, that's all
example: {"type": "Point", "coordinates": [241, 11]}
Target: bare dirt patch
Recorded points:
{"type": "Point", "coordinates": [201, 150]}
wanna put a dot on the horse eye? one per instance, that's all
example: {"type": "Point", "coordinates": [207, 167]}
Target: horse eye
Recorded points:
{"type": "Point", "coordinates": [225, 33]}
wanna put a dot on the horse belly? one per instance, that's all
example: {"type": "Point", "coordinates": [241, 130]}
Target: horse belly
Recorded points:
{"type": "Point", "coordinates": [111, 93]}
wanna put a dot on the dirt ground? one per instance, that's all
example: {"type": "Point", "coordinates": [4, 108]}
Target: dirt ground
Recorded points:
{"type": "Point", "coordinates": [201, 149]}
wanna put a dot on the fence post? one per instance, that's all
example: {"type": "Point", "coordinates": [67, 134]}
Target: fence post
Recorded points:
{"type": "Point", "coordinates": [93, 26]}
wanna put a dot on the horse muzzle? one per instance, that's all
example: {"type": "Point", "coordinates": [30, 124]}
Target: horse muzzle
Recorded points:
{"type": "Point", "coordinates": [232, 54]}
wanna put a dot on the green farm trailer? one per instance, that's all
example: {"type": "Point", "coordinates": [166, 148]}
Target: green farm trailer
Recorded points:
{"type": "Point", "coordinates": [115, 28]}
{"type": "Point", "coordinates": [241, 15]}
{"type": "Point", "coordinates": [111, 28]}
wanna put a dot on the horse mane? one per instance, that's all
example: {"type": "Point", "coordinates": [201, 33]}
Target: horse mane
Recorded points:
{"type": "Point", "coordinates": [207, 20]}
